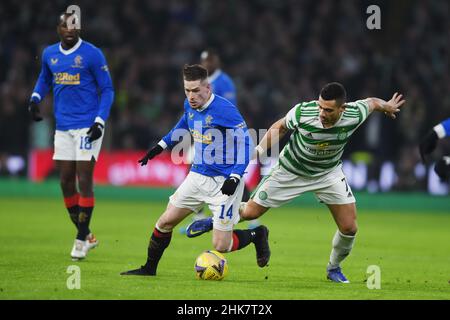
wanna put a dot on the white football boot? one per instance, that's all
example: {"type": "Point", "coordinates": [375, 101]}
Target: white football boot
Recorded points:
{"type": "Point", "coordinates": [78, 252]}
{"type": "Point", "coordinates": [90, 243]}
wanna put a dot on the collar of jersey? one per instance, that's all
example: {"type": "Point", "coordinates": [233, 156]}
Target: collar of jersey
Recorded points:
{"type": "Point", "coordinates": [71, 50]}
{"type": "Point", "coordinates": [206, 105]}
{"type": "Point", "coordinates": [214, 75]}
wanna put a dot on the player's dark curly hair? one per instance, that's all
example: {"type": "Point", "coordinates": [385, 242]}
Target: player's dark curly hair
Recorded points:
{"type": "Point", "coordinates": [194, 72]}
{"type": "Point", "coordinates": [334, 91]}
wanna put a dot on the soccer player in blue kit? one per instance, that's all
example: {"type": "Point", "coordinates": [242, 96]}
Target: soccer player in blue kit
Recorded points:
{"type": "Point", "coordinates": [221, 85]}
{"type": "Point", "coordinates": [83, 94]}
{"type": "Point", "coordinates": [429, 143]}
{"type": "Point", "coordinates": [223, 148]}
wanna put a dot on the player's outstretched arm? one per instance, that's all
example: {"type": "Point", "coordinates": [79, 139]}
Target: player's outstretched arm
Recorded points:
{"type": "Point", "coordinates": [167, 141]}
{"type": "Point", "coordinates": [389, 108]}
{"type": "Point", "coordinates": [273, 136]}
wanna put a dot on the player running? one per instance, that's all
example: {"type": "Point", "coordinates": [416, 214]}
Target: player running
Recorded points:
{"type": "Point", "coordinates": [222, 152]}
{"type": "Point", "coordinates": [311, 161]}
{"type": "Point", "coordinates": [429, 143]}
{"type": "Point", "coordinates": [83, 94]}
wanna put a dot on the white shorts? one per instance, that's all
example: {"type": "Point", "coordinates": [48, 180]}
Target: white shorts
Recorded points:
{"type": "Point", "coordinates": [72, 145]}
{"type": "Point", "coordinates": [281, 186]}
{"type": "Point", "coordinates": [198, 190]}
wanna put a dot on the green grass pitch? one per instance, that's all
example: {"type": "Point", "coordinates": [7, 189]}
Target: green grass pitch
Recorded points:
{"type": "Point", "coordinates": [411, 249]}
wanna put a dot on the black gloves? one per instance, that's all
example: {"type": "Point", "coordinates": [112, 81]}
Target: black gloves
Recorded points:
{"type": "Point", "coordinates": [230, 185]}
{"type": "Point", "coordinates": [33, 109]}
{"type": "Point", "coordinates": [442, 169]}
{"type": "Point", "coordinates": [95, 132]}
{"type": "Point", "coordinates": [428, 144]}
{"type": "Point", "coordinates": [151, 154]}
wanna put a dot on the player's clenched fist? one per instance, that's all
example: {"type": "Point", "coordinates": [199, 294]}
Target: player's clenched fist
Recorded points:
{"type": "Point", "coordinates": [33, 109]}
{"type": "Point", "coordinates": [151, 154]}
{"type": "Point", "coordinates": [95, 131]}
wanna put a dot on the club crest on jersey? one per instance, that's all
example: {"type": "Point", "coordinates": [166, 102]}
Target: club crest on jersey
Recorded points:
{"type": "Point", "coordinates": [54, 61]}
{"type": "Point", "coordinates": [191, 116]}
{"type": "Point", "coordinates": [208, 120]}
{"type": "Point", "coordinates": [78, 62]}
{"type": "Point", "coordinates": [342, 135]}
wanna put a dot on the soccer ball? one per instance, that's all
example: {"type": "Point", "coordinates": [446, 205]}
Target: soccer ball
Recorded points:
{"type": "Point", "coordinates": [211, 265]}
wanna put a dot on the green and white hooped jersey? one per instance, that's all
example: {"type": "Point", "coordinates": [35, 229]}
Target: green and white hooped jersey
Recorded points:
{"type": "Point", "coordinates": [313, 150]}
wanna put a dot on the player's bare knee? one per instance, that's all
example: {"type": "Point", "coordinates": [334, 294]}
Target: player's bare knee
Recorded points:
{"type": "Point", "coordinates": [85, 183]}
{"type": "Point", "coordinates": [68, 184]}
{"type": "Point", "coordinates": [221, 245]}
{"type": "Point", "coordinates": [349, 230]}
{"type": "Point", "coordinates": [246, 215]}
{"type": "Point", "coordinates": [165, 225]}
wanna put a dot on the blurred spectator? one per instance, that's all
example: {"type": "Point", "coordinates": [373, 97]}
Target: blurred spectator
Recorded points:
{"type": "Point", "coordinates": [278, 53]}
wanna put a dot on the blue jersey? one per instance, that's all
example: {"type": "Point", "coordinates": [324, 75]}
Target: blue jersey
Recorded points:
{"type": "Point", "coordinates": [221, 140]}
{"type": "Point", "coordinates": [82, 86]}
{"type": "Point", "coordinates": [222, 85]}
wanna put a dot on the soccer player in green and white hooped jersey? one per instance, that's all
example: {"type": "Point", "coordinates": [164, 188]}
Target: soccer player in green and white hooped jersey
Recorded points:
{"type": "Point", "coordinates": [311, 161]}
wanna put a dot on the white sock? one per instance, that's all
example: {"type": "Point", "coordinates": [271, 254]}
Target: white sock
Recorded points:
{"type": "Point", "coordinates": [342, 245]}
{"type": "Point", "coordinates": [231, 245]}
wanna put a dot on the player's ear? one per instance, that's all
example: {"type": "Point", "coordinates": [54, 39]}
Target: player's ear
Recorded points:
{"type": "Point", "coordinates": [341, 105]}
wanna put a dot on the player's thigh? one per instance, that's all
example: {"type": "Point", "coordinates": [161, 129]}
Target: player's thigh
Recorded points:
{"type": "Point", "coordinates": [85, 175]}
{"type": "Point", "coordinates": [67, 169]}
{"type": "Point", "coordinates": [345, 217]}
{"type": "Point", "coordinates": [85, 169]}
{"type": "Point", "coordinates": [171, 217]}
{"type": "Point", "coordinates": [67, 176]}
{"type": "Point", "coordinates": [252, 210]}
{"type": "Point", "coordinates": [222, 240]}
{"type": "Point", "coordinates": [188, 195]}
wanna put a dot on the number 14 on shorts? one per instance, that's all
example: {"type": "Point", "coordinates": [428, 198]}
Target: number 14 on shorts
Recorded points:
{"type": "Point", "coordinates": [229, 213]}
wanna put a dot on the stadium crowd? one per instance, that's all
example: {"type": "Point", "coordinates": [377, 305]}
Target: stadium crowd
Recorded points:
{"type": "Point", "coordinates": [277, 52]}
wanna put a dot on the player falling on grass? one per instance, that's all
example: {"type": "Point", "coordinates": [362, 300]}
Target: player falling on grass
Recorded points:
{"type": "Point", "coordinates": [429, 143]}
{"type": "Point", "coordinates": [311, 161]}
{"type": "Point", "coordinates": [83, 94]}
{"type": "Point", "coordinates": [222, 153]}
